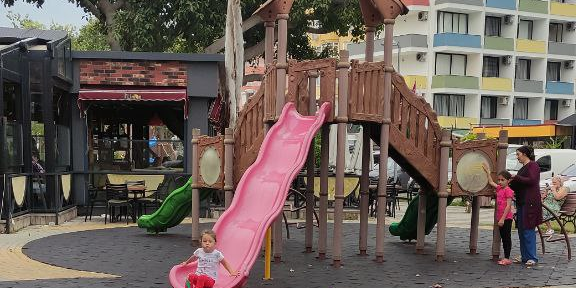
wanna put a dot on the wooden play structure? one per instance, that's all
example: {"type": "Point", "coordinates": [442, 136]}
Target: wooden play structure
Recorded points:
{"type": "Point", "coordinates": [368, 93]}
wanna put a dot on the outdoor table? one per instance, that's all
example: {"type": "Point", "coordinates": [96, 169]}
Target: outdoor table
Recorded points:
{"type": "Point", "coordinates": [136, 192]}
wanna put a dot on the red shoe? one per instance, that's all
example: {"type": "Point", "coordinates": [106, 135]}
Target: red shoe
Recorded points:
{"type": "Point", "coordinates": [504, 262]}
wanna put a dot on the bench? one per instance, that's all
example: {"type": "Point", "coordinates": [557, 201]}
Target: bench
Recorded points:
{"type": "Point", "coordinates": [568, 210]}
{"type": "Point", "coordinates": [566, 215]}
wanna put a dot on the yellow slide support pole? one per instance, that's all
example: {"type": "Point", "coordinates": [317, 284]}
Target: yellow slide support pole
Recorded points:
{"type": "Point", "coordinates": [268, 254]}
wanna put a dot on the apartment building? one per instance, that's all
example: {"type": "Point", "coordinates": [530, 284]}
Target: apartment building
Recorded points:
{"type": "Point", "coordinates": [489, 62]}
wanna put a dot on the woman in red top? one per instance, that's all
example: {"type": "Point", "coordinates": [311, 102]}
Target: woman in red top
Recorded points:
{"type": "Point", "coordinates": [526, 186]}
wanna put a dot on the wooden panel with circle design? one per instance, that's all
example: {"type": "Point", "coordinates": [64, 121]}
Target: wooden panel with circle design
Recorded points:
{"type": "Point", "coordinates": [211, 162]}
{"type": "Point", "coordinates": [468, 177]}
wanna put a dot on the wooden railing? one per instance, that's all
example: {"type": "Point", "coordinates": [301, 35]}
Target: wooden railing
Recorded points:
{"type": "Point", "coordinates": [300, 72]}
{"type": "Point", "coordinates": [366, 92]}
{"type": "Point", "coordinates": [249, 132]}
{"type": "Point", "coordinates": [414, 131]}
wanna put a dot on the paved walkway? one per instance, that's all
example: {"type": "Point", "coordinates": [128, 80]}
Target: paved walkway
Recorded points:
{"type": "Point", "coordinates": [124, 256]}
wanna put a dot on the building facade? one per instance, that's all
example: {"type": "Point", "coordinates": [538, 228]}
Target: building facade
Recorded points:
{"type": "Point", "coordinates": [488, 62]}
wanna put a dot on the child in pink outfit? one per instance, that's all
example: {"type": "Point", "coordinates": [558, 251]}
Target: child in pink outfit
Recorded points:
{"type": "Point", "coordinates": [504, 214]}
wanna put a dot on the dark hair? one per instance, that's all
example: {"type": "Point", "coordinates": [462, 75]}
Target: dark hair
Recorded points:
{"type": "Point", "coordinates": [528, 151]}
{"type": "Point", "coordinates": [505, 174]}
{"type": "Point", "coordinates": [209, 233]}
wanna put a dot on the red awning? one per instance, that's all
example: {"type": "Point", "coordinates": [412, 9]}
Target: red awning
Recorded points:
{"type": "Point", "coordinates": [134, 95]}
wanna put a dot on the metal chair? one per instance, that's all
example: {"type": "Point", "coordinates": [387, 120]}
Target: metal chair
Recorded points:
{"type": "Point", "coordinates": [118, 197]}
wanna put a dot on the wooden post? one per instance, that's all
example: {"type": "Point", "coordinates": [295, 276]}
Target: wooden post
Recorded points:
{"type": "Point", "coordinates": [323, 205]}
{"type": "Point", "coordinates": [341, 145]}
{"type": "Point", "coordinates": [228, 166]}
{"type": "Point", "coordinates": [281, 67]}
{"type": "Point", "coordinates": [310, 201]}
{"type": "Point", "coordinates": [442, 196]}
{"type": "Point", "coordinates": [364, 178]}
{"type": "Point", "coordinates": [384, 139]}
{"type": "Point", "coordinates": [195, 189]}
{"type": "Point", "coordinates": [269, 42]}
{"type": "Point", "coordinates": [421, 226]}
{"type": "Point", "coordinates": [475, 219]}
{"type": "Point", "coordinates": [502, 153]}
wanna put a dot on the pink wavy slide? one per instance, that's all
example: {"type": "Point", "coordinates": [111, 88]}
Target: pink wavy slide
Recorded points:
{"type": "Point", "coordinates": [260, 195]}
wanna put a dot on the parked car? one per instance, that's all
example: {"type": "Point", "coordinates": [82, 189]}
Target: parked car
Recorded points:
{"type": "Point", "coordinates": [551, 161]}
{"type": "Point", "coordinates": [569, 176]}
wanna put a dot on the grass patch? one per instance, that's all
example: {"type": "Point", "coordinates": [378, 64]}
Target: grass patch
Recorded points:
{"type": "Point", "coordinates": [569, 228]}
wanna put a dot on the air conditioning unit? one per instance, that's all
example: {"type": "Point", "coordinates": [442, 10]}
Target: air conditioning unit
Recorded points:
{"type": "Point", "coordinates": [566, 103]}
{"type": "Point", "coordinates": [571, 26]}
{"type": "Point", "coordinates": [569, 64]}
{"type": "Point", "coordinates": [422, 16]}
{"type": "Point", "coordinates": [421, 57]}
{"type": "Point", "coordinates": [507, 60]}
{"type": "Point", "coordinates": [509, 19]}
{"type": "Point", "coordinates": [503, 100]}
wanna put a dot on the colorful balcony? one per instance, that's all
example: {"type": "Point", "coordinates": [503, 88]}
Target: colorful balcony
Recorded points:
{"type": "Point", "coordinates": [454, 81]}
{"type": "Point", "coordinates": [530, 86]}
{"type": "Point", "coordinates": [502, 4]}
{"type": "Point", "coordinates": [554, 87]}
{"type": "Point", "coordinates": [530, 46]}
{"type": "Point", "coordinates": [421, 81]}
{"type": "Point", "coordinates": [563, 9]}
{"type": "Point", "coordinates": [560, 48]}
{"type": "Point", "coordinates": [534, 6]}
{"type": "Point", "coordinates": [457, 122]}
{"type": "Point", "coordinates": [465, 2]}
{"type": "Point", "coordinates": [494, 121]}
{"type": "Point", "coordinates": [455, 39]}
{"type": "Point", "coordinates": [496, 84]}
{"type": "Point", "coordinates": [498, 43]}
{"type": "Point", "coordinates": [525, 122]}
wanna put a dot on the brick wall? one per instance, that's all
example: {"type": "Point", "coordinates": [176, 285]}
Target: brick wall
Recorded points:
{"type": "Point", "coordinates": [132, 73]}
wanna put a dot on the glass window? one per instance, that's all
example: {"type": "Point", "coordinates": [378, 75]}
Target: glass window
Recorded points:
{"type": "Point", "coordinates": [451, 64]}
{"type": "Point", "coordinates": [449, 105]}
{"type": "Point", "coordinates": [525, 29]}
{"type": "Point", "coordinates": [491, 67]}
{"type": "Point", "coordinates": [545, 163]}
{"type": "Point", "coordinates": [520, 108]}
{"type": "Point", "coordinates": [449, 22]}
{"type": "Point", "coordinates": [553, 71]}
{"type": "Point", "coordinates": [551, 109]}
{"type": "Point", "coordinates": [555, 32]}
{"type": "Point", "coordinates": [488, 107]}
{"type": "Point", "coordinates": [493, 26]}
{"type": "Point", "coordinates": [523, 69]}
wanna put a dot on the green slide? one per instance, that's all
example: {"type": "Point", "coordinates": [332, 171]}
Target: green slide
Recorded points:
{"type": "Point", "coordinates": [407, 227]}
{"type": "Point", "coordinates": [173, 210]}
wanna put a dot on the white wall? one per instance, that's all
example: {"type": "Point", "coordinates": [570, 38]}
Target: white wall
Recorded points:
{"type": "Point", "coordinates": [476, 23]}
{"type": "Point", "coordinates": [506, 111]}
{"type": "Point", "coordinates": [409, 24]}
{"type": "Point", "coordinates": [472, 106]}
{"type": "Point", "coordinates": [509, 30]}
{"type": "Point", "coordinates": [474, 65]}
{"type": "Point", "coordinates": [409, 65]}
{"type": "Point", "coordinates": [538, 70]}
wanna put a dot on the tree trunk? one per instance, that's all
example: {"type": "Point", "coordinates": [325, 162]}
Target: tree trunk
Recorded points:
{"type": "Point", "coordinates": [108, 12]}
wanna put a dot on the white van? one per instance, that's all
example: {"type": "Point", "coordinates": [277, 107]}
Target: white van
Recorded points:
{"type": "Point", "coordinates": [551, 161]}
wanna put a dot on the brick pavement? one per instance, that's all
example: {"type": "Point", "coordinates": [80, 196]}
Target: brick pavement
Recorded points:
{"type": "Point", "coordinates": [144, 260]}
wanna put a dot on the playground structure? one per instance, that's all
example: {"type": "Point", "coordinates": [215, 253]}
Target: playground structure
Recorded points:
{"type": "Point", "coordinates": [274, 131]}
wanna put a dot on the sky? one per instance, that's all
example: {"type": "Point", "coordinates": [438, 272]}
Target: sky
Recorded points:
{"type": "Point", "coordinates": [57, 11]}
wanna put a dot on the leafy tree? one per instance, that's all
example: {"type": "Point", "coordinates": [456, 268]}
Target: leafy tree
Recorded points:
{"type": "Point", "coordinates": [198, 26]}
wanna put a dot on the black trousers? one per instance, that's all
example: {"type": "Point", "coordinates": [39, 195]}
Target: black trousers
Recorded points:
{"type": "Point", "coordinates": [505, 234]}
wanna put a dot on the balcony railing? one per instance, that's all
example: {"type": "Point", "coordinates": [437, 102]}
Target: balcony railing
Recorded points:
{"type": "Point", "coordinates": [563, 9]}
{"type": "Point", "coordinates": [562, 48]}
{"type": "Point", "coordinates": [534, 6]}
{"type": "Point", "coordinates": [494, 121]}
{"type": "Point", "coordinates": [533, 86]}
{"type": "Point", "coordinates": [498, 43]}
{"type": "Point", "coordinates": [456, 122]}
{"type": "Point", "coordinates": [530, 46]}
{"type": "Point", "coordinates": [459, 40]}
{"type": "Point", "coordinates": [525, 122]}
{"type": "Point", "coordinates": [502, 4]}
{"type": "Point", "coordinates": [454, 81]}
{"type": "Point", "coordinates": [556, 87]}
{"type": "Point", "coordinates": [496, 84]}
{"type": "Point", "coordinates": [465, 2]}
